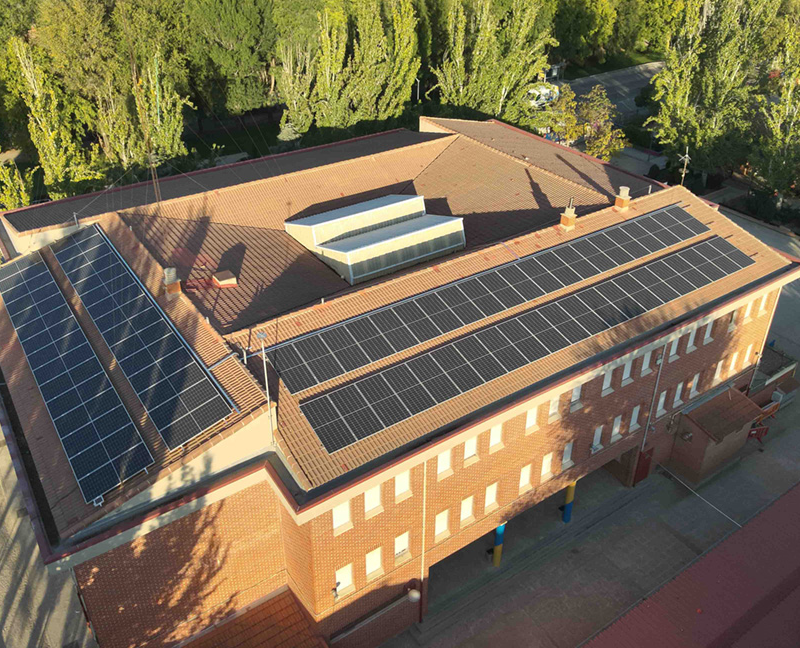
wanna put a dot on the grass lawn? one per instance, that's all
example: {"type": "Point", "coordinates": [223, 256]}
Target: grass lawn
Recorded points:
{"type": "Point", "coordinates": [613, 62]}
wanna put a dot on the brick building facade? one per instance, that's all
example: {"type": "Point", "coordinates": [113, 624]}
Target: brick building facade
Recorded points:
{"type": "Point", "coordinates": [254, 533]}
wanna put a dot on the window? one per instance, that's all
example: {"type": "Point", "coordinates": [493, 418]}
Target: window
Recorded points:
{"type": "Point", "coordinates": [466, 509]}
{"type": "Point", "coordinates": [646, 363]}
{"type": "Point", "coordinates": [471, 448]}
{"type": "Point", "coordinates": [690, 343]}
{"type": "Point", "coordinates": [626, 373]}
{"type": "Point", "coordinates": [748, 311]}
{"type": "Point", "coordinates": [695, 384]}
{"type": "Point", "coordinates": [344, 578]}
{"type": "Point", "coordinates": [746, 361]}
{"type": "Point", "coordinates": [553, 414]}
{"type": "Point", "coordinates": [635, 418]}
{"type": "Point", "coordinates": [530, 419]}
{"type": "Point", "coordinates": [673, 350]}
{"type": "Point", "coordinates": [597, 440]}
{"type": "Point", "coordinates": [440, 527]}
{"type": "Point", "coordinates": [525, 478]}
{"type": "Point", "coordinates": [732, 367]}
{"type": "Point", "coordinates": [709, 328]}
{"type": "Point", "coordinates": [732, 321]}
{"type": "Point", "coordinates": [678, 391]}
{"type": "Point", "coordinates": [372, 499]}
{"type": "Point", "coordinates": [547, 465]}
{"type": "Point", "coordinates": [341, 516]}
{"type": "Point", "coordinates": [762, 307]}
{"type": "Point", "coordinates": [575, 399]}
{"type": "Point", "coordinates": [496, 437]}
{"type": "Point", "coordinates": [374, 563]}
{"type": "Point", "coordinates": [401, 544]}
{"type": "Point", "coordinates": [615, 429]}
{"type": "Point", "coordinates": [718, 372]}
{"type": "Point", "coordinates": [443, 464]}
{"type": "Point", "coordinates": [491, 496]}
{"type": "Point", "coordinates": [609, 373]}
{"type": "Point", "coordinates": [662, 399]}
{"type": "Point", "coordinates": [566, 458]}
{"type": "Point", "coordinates": [402, 485]}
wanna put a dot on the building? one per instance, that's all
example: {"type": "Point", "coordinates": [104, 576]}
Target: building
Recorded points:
{"type": "Point", "coordinates": [455, 325]}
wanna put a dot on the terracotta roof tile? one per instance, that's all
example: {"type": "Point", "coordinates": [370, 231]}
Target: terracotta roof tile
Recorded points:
{"type": "Point", "coordinates": [725, 414]}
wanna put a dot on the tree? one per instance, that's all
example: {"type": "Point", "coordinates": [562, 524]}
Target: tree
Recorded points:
{"type": "Point", "coordinates": [331, 105]}
{"type": "Point", "coordinates": [233, 51]}
{"type": "Point", "coordinates": [584, 28]}
{"type": "Point", "coordinates": [777, 159]}
{"type": "Point", "coordinates": [596, 114]}
{"type": "Point", "coordinates": [295, 80]}
{"type": "Point", "coordinates": [559, 117]}
{"type": "Point", "coordinates": [404, 59]}
{"type": "Point", "coordinates": [15, 188]}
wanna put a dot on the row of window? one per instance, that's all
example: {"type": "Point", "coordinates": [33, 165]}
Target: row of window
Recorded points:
{"type": "Point", "coordinates": [373, 564]}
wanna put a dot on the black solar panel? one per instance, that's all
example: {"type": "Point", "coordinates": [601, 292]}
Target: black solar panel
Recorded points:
{"type": "Point", "coordinates": [392, 329]}
{"type": "Point", "coordinates": [178, 393]}
{"type": "Point", "coordinates": [441, 374]}
{"type": "Point", "coordinates": [101, 442]}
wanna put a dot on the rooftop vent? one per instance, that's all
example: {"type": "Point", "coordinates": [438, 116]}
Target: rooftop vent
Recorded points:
{"type": "Point", "coordinates": [379, 236]}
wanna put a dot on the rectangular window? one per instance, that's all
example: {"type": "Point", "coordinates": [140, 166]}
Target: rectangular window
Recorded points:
{"type": "Point", "coordinates": [709, 328]}
{"type": "Point", "coordinates": [662, 400]}
{"type": "Point", "coordinates": [495, 436]}
{"type": "Point", "coordinates": [646, 363]}
{"type": "Point", "coordinates": [762, 307]}
{"type": "Point", "coordinates": [531, 418]}
{"type": "Point", "coordinates": [748, 311]}
{"type": "Point", "coordinates": [547, 465]}
{"type": "Point", "coordinates": [344, 578]}
{"type": "Point", "coordinates": [732, 321]}
{"type": "Point", "coordinates": [491, 496]}
{"type": "Point", "coordinates": [402, 484]}
{"type": "Point", "coordinates": [471, 448]}
{"type": "Point", "coordinates": [566, 458]}
{"type": "Point", "coordinates": [552, 414]}
{"type": "Point", "coordinates": [732, 367]}
{"type": "Point", "coordinates": [607, 376]}
{"type": "Point", "coordinates": [372, 499]}
{"type": "Point", "coordinates": [525, 477]}
{"type": "Point", "coordinates": [341, 515]}
{"type": "Point", "coordinates": [718, 372]}
{"type": "Point", "coordinates": [690, 343]}
{"type": "Point", "coordinates": [673, 349]}
{"type": "Point", "coordinates": [615, 429]}
{"type": "Point", "coordinates": [626, 372]}
{"type": "Point", "coordinates": [440, 526]}
{"type": "Point", "coordinates": [678, 391]}
{"type": "Point", "coordinates": [597, 441]}
{"type": "Point", "coordinates": [575, 399]}
{"type": "Point", "coordinates": [695, 385]}
{"type": "Point", "coordinates": [748, 351]}
{"type": "Point", "coordinates": [466, 509]}
{"type": "Point", "coordinates": [401, 544]}
{"type": "Point", "coordinates": [443, 463]}
{"type": "Point", "coordinates": [635, 418]}
{"type": "Point", "coordinates": [374, 563]}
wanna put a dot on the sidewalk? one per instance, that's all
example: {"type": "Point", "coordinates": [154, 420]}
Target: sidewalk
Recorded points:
{"type": "Point", "coordinates": [558, 595]}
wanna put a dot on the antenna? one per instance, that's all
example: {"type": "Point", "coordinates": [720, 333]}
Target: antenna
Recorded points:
{"type": "Point", "coordinates": [685, 159]}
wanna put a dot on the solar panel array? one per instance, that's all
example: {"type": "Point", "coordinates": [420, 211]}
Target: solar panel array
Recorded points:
{"type": "Point", "coordinates": [344, 347]}
{"type": "Point", "coordinates": [101, 442]}
{"type": "Point", "coordinates": [175, 389]}
{"type": "Point", "coordinates": [351, 413]}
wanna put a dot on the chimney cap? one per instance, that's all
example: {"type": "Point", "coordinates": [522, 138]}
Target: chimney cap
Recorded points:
{"type": "Point", "coordinates": [170, 276]}
{"type": "Point", "coordinates": [624, 192]}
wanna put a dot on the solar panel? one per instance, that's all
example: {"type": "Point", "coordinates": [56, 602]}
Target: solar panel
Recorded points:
{"type": "Point", "coordinates": [180, 395]}
{"type": "Point", "coordinates": [101, 442]}
{"type": "Point", "coordinates": [384, 332]}
{"type": "Point", "coordinates": [457, 367]}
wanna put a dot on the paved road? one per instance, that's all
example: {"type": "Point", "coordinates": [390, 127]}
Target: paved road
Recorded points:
{"type": "Point", "coordinates": [622, 86]}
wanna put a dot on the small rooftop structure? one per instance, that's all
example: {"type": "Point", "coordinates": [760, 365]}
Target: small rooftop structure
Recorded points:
{"type": "Point", "coordinates": [379, 236]}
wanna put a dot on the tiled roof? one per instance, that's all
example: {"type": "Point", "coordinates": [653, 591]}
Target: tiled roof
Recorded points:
{"type": "Point", "coordinates": [280, 622]}
{"type": "Point", "coordinates": [725, 414]}
{"type": "Point", "coordinates": [64, 500]}
{"type": "Point", "coordinates": [550, 157]}
{"type": "Point", "coordinates": [306, 453]}
{"type": "Point", "coordinates": [744, 593]}
{"type": "Point", "coordinates": [209, 180]}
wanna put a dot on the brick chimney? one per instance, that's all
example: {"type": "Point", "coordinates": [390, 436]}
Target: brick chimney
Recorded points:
{"type": "Point", "coordinates": [623, 199]}
{"type": "Point", "coordinates": [568, 217]}
{"type": "Point", "coordinates": [172, 285]}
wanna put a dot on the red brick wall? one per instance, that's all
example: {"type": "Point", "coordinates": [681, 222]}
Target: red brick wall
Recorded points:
{"type": "Point", "coordinates": [175, 581]}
